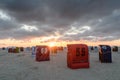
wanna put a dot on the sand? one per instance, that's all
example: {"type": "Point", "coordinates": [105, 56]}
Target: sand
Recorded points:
{"type": "Point", "coordinates": [22, 66]}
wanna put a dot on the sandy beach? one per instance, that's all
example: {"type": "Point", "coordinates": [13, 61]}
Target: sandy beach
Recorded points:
{"type": "Point", "coordinates": [22, 66]}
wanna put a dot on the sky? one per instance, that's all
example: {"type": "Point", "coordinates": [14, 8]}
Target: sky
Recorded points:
{"type": "Point", "coordinates": [39, 22]}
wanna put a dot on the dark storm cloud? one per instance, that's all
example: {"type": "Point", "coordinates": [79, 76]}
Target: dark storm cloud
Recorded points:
{"type": "Point", "coordinates": [50, 16]}
{"type": "Point", "coordinates": [42, 9]}
{"type": "Point", "coordinates": [7, 25]}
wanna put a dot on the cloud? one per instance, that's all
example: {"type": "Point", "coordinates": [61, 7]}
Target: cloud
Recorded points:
{"type": "Point", "coordinates": [73, 19]}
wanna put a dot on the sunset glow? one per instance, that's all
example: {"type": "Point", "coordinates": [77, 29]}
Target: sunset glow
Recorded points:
{"type": "Point", "coordinates": [34, 42]}
{"type": "Point", "coordinates": [51, 44]}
